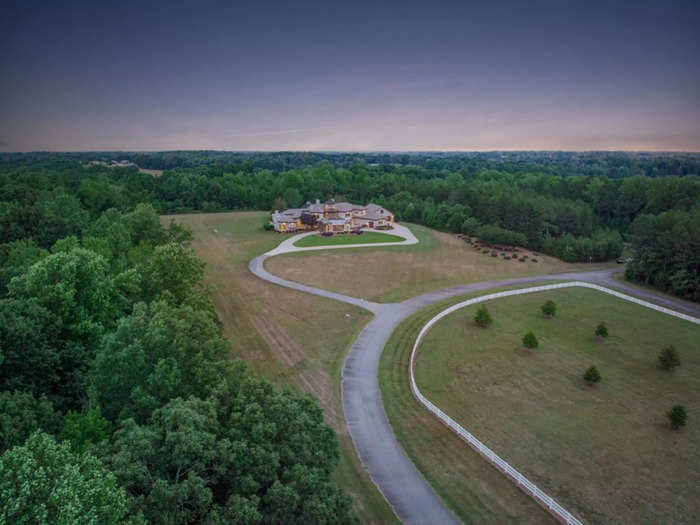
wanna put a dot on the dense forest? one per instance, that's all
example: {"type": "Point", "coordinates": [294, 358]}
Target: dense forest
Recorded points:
{"type": "Point", "coordinates": [605, 164]}
{"type": "Point", "coordinates": [115, 381]}
{"type": "Point", "coordinates": [575, 206]}
{"type": "Point", "coordinates": [119, 400]}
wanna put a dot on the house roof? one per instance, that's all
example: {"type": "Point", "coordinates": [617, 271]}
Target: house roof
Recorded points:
{"type": "Point", "coordinates": [372, 211]}
{"type": "Point", "coordinates": [333, 221]}
{"type": "Point", "coordinates": [343, 206]}
{"type": "Point", "coordinates": [291, 215]}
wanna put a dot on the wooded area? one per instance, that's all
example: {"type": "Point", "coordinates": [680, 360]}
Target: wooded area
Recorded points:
{"type": "Point", "coordinates": [575, 206]}
{"type": "Point", "coordinates": [112, 362]}
{"type": "Point", "coordinates": [119, 399]}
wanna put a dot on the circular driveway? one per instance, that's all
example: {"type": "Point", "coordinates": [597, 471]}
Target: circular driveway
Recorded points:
{"type": "Point", "coordinates": [403, 486]}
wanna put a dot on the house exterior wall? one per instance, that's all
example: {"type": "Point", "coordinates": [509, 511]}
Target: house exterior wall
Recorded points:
{"type": "Point", "coordinates": [331, 217]}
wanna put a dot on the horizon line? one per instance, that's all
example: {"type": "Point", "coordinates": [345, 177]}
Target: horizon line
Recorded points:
{"type": "Point", "coordinates": [359, 151]}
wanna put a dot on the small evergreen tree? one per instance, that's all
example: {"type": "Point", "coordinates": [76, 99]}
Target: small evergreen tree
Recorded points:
{"type": "Point", "coordinates": [483, 317]}
{"type": "Point", "coordinates": [549, 309]}
{"type": "Point", "coordinates": [530, 341]}
{"type": "Point", "coordinates": [677, 416]}
{"type": "Point", "coordinates": [601, 330]}
{"type": "Point", "coordinates": [669, 358]}
{"type": "Point", "coordinates": [592, 375]}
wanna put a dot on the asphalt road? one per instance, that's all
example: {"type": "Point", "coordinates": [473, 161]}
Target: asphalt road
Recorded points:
{"type": "Point", "coordinates": [404, 487]}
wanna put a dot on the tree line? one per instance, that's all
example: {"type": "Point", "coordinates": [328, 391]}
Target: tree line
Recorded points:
{"type": "Point", "coordinates": [506, 199]}
{"type": "Point", "coordinates": [119, 400]}
{"type": "Point", "coordinates": [590, 163]}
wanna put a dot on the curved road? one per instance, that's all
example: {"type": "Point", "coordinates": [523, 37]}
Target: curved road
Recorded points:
{"type": "Point", "coordinates": [404, 487]}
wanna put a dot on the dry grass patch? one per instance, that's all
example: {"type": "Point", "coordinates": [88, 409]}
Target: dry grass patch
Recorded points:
{"type": "Point", "coordinates": [292, 338]}
{"type": "Point", "coordinates": [388, 274]}
{"type": "Point", "coordinates": [607, 453]}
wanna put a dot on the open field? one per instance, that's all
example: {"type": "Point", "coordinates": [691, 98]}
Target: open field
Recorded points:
{"type": "Point", "coordinates": [605, 453]}
{"type": "Point", "coordinates": [336, 240]}
{"type": "Point", "coordinates": [388, 274]}
{"type": "Point", "coordinates": [472, 488]}
{"type": "Point", "coordinates": [292, 338]}
{"type": "Point", "coordinates": [154, 173]}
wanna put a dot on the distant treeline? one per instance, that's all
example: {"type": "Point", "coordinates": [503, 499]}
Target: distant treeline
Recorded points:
{"type": "Point", "coordinates": [505, 198]}
{"type": "Point", "coordinates": [603, 164]}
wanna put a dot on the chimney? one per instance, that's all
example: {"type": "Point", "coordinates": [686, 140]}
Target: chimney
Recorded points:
{"type": "Point", "coordinates": [318, 201]}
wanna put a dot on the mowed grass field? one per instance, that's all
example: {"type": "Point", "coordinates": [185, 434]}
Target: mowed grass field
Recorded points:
{"type": "Point", "coordinates": [606, 453]}
{"type": "Point", "coordinates": [389, 274]}
{"type": "Point", "coordinates": [336, 240]}
{"type": "Point", "coordinates": [292, 338]}
{"type": "Point", "coordinates": [472, 488]}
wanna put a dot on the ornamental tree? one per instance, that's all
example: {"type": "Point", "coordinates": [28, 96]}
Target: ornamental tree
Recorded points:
{"type": "Point", "coordinates": [530, 341]}
{"type": "Point", "coordinates": [601, 330]}
{"type": "Point", "coordinates": [677, 416]}
{"type": "Point", "coordinates": [549, 309]}
{"type": "Point", "coordinates": [592, 376]}
{"type": "Point", "coordinates": [483, 317]}
{"type": "Point", "coordinates": [669, 358]}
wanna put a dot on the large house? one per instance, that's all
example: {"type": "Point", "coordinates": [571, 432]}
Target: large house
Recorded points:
{"type": "Point", "coordinates": [332, 217]}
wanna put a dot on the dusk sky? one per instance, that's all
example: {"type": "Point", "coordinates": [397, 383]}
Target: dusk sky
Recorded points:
{"type": "Point", "coordinates": [353, 75]}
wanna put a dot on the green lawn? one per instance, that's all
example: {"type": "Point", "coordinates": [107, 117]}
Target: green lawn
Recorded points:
{"type": "Point", "coordinates": [605, 453]}
{"type": "Point", "coordinates": [471, 487]}
{"type": "Point", "coordinates": [395, 273]}
{"type": "Point", "coordinates": [365, 238]}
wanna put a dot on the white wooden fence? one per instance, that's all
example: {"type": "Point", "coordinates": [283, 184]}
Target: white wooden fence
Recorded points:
{"type": "Point", "coordinates": [525, 484]}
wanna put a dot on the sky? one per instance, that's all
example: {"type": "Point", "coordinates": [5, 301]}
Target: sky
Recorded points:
{"type": "Point", "coordinates": [350, 75]}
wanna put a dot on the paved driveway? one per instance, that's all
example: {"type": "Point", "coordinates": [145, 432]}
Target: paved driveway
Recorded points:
{"type": "Point", "coordinates": [404, 487]}
{"type": "Point", "coordinates": [287, 246]}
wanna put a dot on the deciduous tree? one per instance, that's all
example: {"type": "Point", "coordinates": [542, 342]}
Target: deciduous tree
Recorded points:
{"type": "Point", "coordinates": [44, 482]}
{"type": "Point", "coordinates": [159, 352]}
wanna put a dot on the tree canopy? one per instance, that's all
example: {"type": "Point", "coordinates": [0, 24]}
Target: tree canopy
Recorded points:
{"type": "Point", "coordinates": [119, 400]}
{"type": "Point", "coordinates": [44, 482]}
